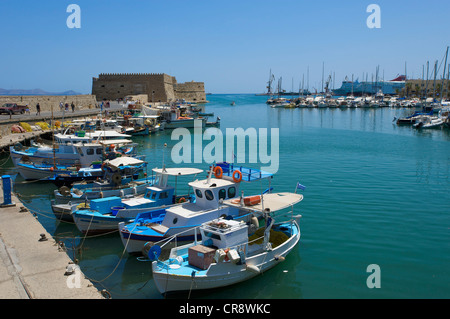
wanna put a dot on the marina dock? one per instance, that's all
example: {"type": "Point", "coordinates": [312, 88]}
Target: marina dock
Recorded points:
{"type": "Point", "coordinates": [32, 266]}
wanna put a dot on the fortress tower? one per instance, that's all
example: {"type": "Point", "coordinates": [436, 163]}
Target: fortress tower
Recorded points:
{"type": "Point", "coordinates": [158, 87]}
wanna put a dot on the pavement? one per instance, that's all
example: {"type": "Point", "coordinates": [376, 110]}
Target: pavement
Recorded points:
{"type": "Point", "coordinates": [57, 114]}
{"type": "Point", "coordinates": [31, 268]}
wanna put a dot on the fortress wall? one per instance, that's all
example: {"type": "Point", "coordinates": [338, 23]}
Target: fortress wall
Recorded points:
{"type": "Point", "coordinates": [191, 91]}
{"type": "Point", "coordinates": [159, 87]}
{"type": "Point", "coordinates": [47, 101]}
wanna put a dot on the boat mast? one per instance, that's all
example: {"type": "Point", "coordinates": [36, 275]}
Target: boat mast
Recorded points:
{"type": "Point", "coordinates": [443, 75]}
{"type": "Point", "coordinates": [53, 141]}
{"type": "Point", "coordinates": [434, 81]}
{"type": "Point", "coordinates": [426, 86]}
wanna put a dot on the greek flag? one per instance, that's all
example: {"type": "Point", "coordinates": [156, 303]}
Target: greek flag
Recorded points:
{"type": "Point", "coordinates": [300, 186]}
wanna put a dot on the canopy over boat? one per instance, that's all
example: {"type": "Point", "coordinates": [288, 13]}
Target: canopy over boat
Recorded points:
{"type": "Point", "coordinates": [179, 171]}
{"type": "Point", "coordinates": [124, 161]}
{"type": "Point", "coordinates": [272, 201]}
{"type": "Point", "coordinates": [115, 141]}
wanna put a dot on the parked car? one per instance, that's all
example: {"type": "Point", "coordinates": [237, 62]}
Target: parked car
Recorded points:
{"type": "Point", "coordinates": [12, 108]}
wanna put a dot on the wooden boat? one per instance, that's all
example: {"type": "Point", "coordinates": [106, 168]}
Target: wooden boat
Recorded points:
{"type": "Point", "coordinates": [210, 194]}
{"type": "Point", "coordinates": [229, 253]}
{"type": "Point", "coordinates": [104, 214]}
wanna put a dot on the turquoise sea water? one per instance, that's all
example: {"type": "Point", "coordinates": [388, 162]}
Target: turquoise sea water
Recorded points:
{"type": "Point", "coordinates": [376, 193]}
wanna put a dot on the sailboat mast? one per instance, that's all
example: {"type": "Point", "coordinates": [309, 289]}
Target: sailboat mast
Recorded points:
{"type": "Point", "coordinates": [53, 141]}
{"type": "Point", "coordinates": [443, 76]}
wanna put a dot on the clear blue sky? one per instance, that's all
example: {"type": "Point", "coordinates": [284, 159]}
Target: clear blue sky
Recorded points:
{"type": "Point", "coordinates": [230, 45]}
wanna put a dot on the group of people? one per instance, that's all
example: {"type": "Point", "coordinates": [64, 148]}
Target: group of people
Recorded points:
{"type": "Point", "coordinates": [61, 107]}
{"type": "Point", "coordinates": [66, 106]}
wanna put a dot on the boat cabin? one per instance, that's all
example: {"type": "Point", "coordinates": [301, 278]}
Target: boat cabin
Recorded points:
{"type": "Point", "coordinates": [222, 233]}
{"type": "Point", "coordinates": [210, 191]}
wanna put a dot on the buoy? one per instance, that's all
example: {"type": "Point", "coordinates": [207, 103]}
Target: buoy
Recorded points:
{"type": "Point", "coordinates": [218, 172]}
{"type": "Point", "coordinates": [253, 268]}
{"type": "Point", "coordinates": [239, 176]}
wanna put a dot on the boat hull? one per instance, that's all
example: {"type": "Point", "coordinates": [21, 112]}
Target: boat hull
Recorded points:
{"type": "Point", "coordinates": [28, 172]}
{"type": "Point", "coordinates": [89, 194]}
{"type": "Point", "coordinates": [188, 123]}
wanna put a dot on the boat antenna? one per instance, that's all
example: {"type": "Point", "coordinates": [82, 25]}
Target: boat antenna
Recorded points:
{"type": "Point", "coordinates": [164, 166]}
{"type": "Point", "coordinates": [209, 175]}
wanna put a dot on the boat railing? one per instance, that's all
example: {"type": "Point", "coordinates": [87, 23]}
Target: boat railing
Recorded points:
{"type": "Point", "coordinates": [248, 174]}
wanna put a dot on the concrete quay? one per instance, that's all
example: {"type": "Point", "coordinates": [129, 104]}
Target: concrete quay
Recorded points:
{"type": "Point", "coordinates": [8, 139]}
{"type": "Point", "coordinates": [31, 268]}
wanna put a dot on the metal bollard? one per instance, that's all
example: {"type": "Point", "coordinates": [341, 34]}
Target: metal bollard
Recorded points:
{"type": "Point", "coordinates": [6, 180]}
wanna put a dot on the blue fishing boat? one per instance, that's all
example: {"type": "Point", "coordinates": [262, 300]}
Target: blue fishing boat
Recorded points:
{"type": "Point", "coordinates": [104, 214]}
{"type": "Point", "coordinates": [120, 178]}
{"type": "Point", "coordinates": [210, 194]}
{"type": "Point", "coordinates": [229, 253]}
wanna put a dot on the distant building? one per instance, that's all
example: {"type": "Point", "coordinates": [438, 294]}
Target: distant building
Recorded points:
{"type": "Point", "coordinates": [158, 87]}
{"type": "Point", "coordinates": [420, 88]}
{"type": "Point", "coordinates": [392, 87]}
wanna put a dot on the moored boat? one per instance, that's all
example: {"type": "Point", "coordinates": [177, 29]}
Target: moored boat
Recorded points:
{"type": "Point", "coordinates": [230, 252]}
{"type": "Point", "coordinates": [104, 214]}
{"type": "Point", "coordinates": [209, 196]}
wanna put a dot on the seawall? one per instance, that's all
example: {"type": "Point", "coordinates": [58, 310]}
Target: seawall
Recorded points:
{"type": "Point", "coordinates": [31, 268]}
{"type": "Point", "coordinates": [48, 101]}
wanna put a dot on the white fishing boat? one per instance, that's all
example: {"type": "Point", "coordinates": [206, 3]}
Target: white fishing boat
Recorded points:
{"type": "Point", "coordinates": [230, 251]}
{"type": "Point", "coordinates": [173, 118]}
{"type": "Point", "coordinates": [209, 193]}
{"type": "Point", "coordinates": [104, 214]}
{"type": "Point", "coordinates": [73, 149]}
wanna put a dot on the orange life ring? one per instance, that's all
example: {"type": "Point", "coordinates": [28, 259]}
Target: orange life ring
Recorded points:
{"type": "Point", "coordinates": [237, 180]}
{"type": "Point", "coordinates": [218, 172]}
{"type": "Point", "coordinates": [182, 200]}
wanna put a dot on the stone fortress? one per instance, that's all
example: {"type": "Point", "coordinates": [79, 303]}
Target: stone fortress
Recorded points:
{"type": "Point", "coordinates": [158, 87]}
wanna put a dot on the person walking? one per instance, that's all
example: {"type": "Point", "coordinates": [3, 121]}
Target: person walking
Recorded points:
{"type": "Point", "coordinates": [38, 109]}
{"type": "Point", "coordinates": [73, 107]}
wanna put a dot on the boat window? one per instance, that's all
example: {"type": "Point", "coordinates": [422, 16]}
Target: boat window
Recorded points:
{"type": "Point", "coordinates": [222, 193]}
{"type": "Point", "coordinates": [98, 151]}
{"type": "Point", "coordinates": [175, 220]}
{"type": "Point", "coordinates": [231, 192]}
{"type": "Point", "coordinates": [212, 235]}
{"type": "Point", "coordinates": [90, 151]}
{"type": "Point", "coordinates": [153, 195]}
{"type": "Point", "coordinates": [209, 195]}
{"type": "Point", "coordinates": [198, 193]}
{"type": "Point", "coordinates": [163, 195]}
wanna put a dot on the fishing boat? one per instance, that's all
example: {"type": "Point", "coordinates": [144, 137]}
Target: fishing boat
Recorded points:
{"type": "Point", "coordinates": [33, 171]}
{"type": "Point", "coordinates": [121, 178]}
{"type": "Point", "coordinates": [104, 214]}
{"type": "Point", "coordinates": [84, 174]}
{"type": "Point", "coordinates": [173, 118]}
{"type": "Point", "coordinates": [230, 251]}
{"type": "Point", "coordinates": [213, 124]}
{"type": "Point", "coordinates": [209, 197]}
{"type": "Point", "coordinates": [73, 149]}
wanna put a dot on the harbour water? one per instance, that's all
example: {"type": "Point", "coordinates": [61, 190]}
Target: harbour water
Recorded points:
{"type": "Point", "coordinates": [376, 193]}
